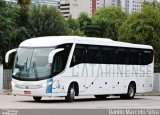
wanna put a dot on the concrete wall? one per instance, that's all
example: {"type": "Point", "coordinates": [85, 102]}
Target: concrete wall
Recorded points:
{"type": "Point", "coordinates": [156, 84]}
{"type": "Point", "coordinates": [1, 79]}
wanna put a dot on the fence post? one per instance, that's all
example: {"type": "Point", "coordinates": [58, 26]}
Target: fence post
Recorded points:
{"type": "Point", "coordinates": [7, 80]}
{"type": "Point", "coordinates": [1, 79]}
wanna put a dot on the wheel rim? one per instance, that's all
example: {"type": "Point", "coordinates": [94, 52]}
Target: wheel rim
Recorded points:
{"type": "Point", "coordinates": [131, 91]}
{"type": "Point", "coordinates": [72, 93]}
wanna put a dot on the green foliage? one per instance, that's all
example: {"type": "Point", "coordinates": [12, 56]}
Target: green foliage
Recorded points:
{"type": "Point", "coordinates": [143, 27]}
{"type": "Point", "coordinates": [45, 20]}
{"type": "Point", "coordinates": [73, 27]}
{"type": "Point", "coordinates": [84, 21]}
{"type": "Point", "coordinates": [24, 2]}
{"type": "Point", "coordinates": [11, 31]}
{"type": "Point", "coordinates": [106, 22]}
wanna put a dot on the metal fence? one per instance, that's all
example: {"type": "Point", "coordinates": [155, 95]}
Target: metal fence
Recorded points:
{"type": "Point", "coordinates": [7, 76]}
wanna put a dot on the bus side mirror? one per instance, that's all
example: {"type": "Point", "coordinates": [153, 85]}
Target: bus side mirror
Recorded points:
{"type": "Point", "coordinates": [8, 54]}
{"type": "Point", "coordinates": [52, 53]}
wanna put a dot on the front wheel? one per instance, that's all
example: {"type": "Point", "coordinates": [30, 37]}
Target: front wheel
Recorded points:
{"type": "Point", "coordinates": [37, 99]}
{"type": "Point", "coordinates": [71, 94]}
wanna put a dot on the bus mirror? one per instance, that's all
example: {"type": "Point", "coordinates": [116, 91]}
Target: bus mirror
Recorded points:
{"type": "Point", "coordinates": [52, 53]}
{"type": "Point", "coordinates": [8, 54]}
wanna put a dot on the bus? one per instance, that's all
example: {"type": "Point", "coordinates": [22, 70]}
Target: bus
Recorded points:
{"type": "Point", "coordinates": [69, 66]}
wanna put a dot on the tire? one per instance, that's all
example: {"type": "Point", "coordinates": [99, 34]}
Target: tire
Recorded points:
{"type": "Point", "coordinates": [100, 97]}
{"type": "Point", "coordinates": [37, 99]}
{"type": "Point", "coordinates": [131, 92]}
{"type": "Point", "coordinates": [71, 94]}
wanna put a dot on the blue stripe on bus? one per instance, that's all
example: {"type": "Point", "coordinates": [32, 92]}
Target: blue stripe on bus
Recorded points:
{"type": "Point", "coordinates": [49, 86]}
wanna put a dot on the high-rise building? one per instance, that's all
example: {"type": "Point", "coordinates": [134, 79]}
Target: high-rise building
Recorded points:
{"type": "Point", "coordinates": [73, 8]}
{"type": "Point", "coordinates": [111, 3]}
{"type": "Point", "coordinates": [133, 5]}
{"type": "Point", "coordinates": [55, 3]}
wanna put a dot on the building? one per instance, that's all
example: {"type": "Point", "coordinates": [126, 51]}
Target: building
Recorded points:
{"type": "Point", "coordinates": [55, 3]}
{"type": "Point", "coordinates": [73, 8]}
{"type": "Point", "coordinates": [130, 6]}
{"type": "Point", "coordinates": [112, 3]}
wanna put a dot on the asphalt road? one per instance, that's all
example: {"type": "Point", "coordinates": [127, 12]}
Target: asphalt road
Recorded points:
{"type": "Point", "coordinates": [23, 102]}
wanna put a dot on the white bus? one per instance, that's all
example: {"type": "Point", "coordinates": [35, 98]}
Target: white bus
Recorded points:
{"type": "Point", "coordinates": [69, 66]}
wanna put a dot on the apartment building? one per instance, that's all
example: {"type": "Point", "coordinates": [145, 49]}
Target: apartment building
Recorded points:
{"type": "Point", "coordinates": [108, 3]}
{"type": "Point", "coordinates": [130, 6]}
{"type": "Point", "coordinates": [55, 3]}
{"type": "Point", "coordinates": [73, 8]}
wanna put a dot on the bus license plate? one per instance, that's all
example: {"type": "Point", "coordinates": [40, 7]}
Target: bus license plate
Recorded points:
{"type": "Point", "coordinates": [27, 92]}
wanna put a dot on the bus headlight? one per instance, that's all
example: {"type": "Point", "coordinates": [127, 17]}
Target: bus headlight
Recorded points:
{"type": "Point", "coordinates": [44, 85]}
{"type": "Point", "coordinates": [13, 84]}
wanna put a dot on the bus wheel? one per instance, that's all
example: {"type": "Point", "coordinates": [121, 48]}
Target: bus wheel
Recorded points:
{"type": "Point", "coordinates": [100, 97]}
{"type": "Point", "coordinates": [71, 94]}
{"type": "Point", "coordinates": [37, 99]}
{"type": "Point", "coordinates": [131, 92]}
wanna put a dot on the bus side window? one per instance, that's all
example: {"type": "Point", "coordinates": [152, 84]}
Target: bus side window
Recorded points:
{"type": "Point", "coordinates": [94, 54]}
{"type": "Point", "coordinates": [122, 56]}
{"type": "Point", "coordinates": [58, 62]}
{"type": "Point", "coordinates": [146, 57]}
{"type": "Point", "coordinates": [108, 56]}
{"type": "Point", "coordinates": [134, 57]}
{"type": "Point", "coordinates": [78, 55]}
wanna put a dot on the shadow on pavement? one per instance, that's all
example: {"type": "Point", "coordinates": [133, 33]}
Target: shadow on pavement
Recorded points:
{"type": "Point", "coordinates": [50, 100]}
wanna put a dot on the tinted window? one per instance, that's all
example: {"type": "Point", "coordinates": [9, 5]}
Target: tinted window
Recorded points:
{"type": "Point", "coordinates": [94, 54]}
{"type": "Point", "coordinates": [60, 59]}
{"type": "Point", "coordinates": [146, 57]}
{"type": "Point", "coordinates": [134, 57]}
{"type": "Point", "coordinates": [79, 55]}
{"type": "Point", "coordinates": [121, 56]}
{"type": "Point", "coordinates": [59, 62]}
{"type": "Point", "coordinates": [108, 56]}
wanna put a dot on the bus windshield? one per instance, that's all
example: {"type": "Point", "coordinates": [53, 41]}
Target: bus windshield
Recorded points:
{"type": "Point", "coordinates": [32, 64]}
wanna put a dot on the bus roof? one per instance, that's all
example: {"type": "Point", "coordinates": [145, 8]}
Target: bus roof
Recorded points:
{"type": "Point", "coordinates": [51, 41]}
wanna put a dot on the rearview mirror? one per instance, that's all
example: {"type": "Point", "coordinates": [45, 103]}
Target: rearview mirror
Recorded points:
{"type": "Point", "coordinates": [52, 53]}
{"type": "Point", "coordinates": [8, 54]}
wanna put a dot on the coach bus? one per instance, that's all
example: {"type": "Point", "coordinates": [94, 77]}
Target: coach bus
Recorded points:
{"type": "Point", "coordinates": [69, 66]}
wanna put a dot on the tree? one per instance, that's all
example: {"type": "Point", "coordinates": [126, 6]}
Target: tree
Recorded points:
{"type": "Point", "coordinates": [9, 28]}
{"type": "Point", "coordinates": [106, 21]}
{"type": "Point", "coordinates": [45, 20]}
{"type": "Point", "coordinates": [7, 21]}
{"type": "Point", "coordinates": [143, 27]}
{"type": "Point", "coordinates": [73, 27]}
{"type": "Point", "coordinates": [84, 21]}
